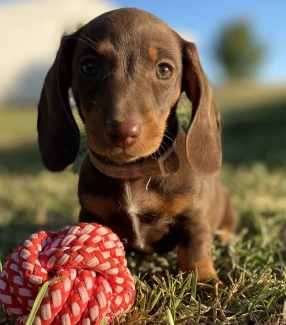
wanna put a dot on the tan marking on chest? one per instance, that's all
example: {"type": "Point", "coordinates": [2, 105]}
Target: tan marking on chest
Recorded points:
{"type": "Point", "coordinates": [178, 204]}
{"type": "Point", "coordinates": [131, 206]}
{"type": "Point", "coordinates": [165, 205]}
{"type": "Point", "coordinates": [133, 209]}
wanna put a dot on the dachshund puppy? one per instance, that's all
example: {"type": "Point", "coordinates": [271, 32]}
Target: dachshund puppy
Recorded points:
{"type": "Point", "coordinates": [152, 183]}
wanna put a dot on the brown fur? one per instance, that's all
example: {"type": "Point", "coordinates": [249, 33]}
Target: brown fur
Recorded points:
{"type": "Point", "coordinates": [182, 209]}
{"type": "Point", "coordinates": [153, 53]}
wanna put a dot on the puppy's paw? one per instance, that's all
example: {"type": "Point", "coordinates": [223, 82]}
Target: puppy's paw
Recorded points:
{"type": "Point", "coordinates": [204, 267]}
{"type": "Point", "coordinates": [205, 271]}
{"type": "Point", "coordinates": [224, 236]}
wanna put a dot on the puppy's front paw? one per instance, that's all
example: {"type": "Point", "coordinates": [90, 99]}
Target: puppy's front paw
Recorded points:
{"type": "Point", "coordinates": [205, 270]}
{"type": "Point", "coordinates": [203, 267]}
{"type": "Point", "coordinates": [224, 236]}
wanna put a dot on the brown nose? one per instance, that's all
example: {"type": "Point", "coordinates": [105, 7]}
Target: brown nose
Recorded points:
{"type": "Point", "coordinates": [123, 134]}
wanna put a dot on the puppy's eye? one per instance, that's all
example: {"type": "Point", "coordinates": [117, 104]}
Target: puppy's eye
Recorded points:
{"type": "Point", "coordinates": [89, 67]}
{"type": "Point", "coordinates": [164, 70]}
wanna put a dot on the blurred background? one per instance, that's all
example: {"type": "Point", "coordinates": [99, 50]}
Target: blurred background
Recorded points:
{"type": "Point", "coordinates": [243, 49]}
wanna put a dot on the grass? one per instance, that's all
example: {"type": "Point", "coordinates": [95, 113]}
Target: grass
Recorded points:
{"type": "Point", "coordinates": [17, 126]}
{"type": "Point", "coordinates": [252, 269]}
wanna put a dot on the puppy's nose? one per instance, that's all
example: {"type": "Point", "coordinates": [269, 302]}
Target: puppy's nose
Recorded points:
{"type": "Point", "coordinates": [123, 134]}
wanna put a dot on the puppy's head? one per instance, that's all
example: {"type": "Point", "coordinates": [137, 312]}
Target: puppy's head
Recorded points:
{"type": "Point", "coordinates": [127, 70]}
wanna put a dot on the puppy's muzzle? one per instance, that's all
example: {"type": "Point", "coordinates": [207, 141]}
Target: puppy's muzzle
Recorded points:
{"type": "Point", "coordinates": [122, 134]}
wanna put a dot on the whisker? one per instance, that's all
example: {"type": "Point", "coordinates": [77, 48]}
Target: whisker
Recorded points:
{"type": "Point", "coordinates": [168, 137]}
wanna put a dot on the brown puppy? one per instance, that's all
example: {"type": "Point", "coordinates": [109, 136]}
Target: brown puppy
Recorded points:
{"type": "Point", "coordinates": [143, 176]}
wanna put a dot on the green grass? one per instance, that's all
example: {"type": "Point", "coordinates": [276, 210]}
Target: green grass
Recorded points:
{"type": "Point", "coordinates": [17, 127]}
{"type": "Point", "coordinates": [252, 269]}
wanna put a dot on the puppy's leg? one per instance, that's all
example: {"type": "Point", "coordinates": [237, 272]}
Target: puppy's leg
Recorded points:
{"type": "Point", "coordinates": [195, 250]}
{"type": "Point", "coordinates": [228, 223]}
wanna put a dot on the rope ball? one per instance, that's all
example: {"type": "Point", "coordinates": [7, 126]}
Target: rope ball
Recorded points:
{"type": "Point", "coordinates": [89, 262]}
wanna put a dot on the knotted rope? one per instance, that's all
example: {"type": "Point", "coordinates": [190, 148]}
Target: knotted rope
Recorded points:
{"type": "Point", "coordinates": [89, 262]}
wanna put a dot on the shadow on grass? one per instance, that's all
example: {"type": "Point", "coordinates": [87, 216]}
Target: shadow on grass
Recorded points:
{"type": "Point", "coordinates": [21, 159]}
{"type": "Point", "coordinates": [22, 225]}
{"type": "Point", "coordinates": [256, 134]}
{"type": "Point", "coordinates": [13, 234]}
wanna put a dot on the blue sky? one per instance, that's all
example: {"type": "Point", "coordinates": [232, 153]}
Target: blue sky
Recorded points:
{"type": "Point", "coordinates": [203, 19]}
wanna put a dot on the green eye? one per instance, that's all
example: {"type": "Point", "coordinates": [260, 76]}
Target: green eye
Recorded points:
{"type": "Point", "coordinates": [89, 67]}
{"type": "Point", "coordinates": [164, 71]}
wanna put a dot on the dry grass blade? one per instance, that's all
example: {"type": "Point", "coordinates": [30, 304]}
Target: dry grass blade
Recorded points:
{"type": "Point", "coordinates": [170, 317]}
{"type": "Point", "coordinates": [40, 296]}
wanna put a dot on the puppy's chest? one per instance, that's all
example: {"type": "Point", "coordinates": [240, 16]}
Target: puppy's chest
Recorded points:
{"type": "Point", "coordinates": [141, 199]}
{"type": "Point", "coordinates": [149, 200]}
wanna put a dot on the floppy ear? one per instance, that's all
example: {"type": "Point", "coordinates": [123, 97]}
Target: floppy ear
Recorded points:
{"type": "Point", "coordinates": [58, 134]}
{"type": "Point", "coordinates": [203, 140]}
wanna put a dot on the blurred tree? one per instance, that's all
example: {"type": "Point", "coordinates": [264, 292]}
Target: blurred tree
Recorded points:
{"type": "Point", "coordinates": [238, 50]}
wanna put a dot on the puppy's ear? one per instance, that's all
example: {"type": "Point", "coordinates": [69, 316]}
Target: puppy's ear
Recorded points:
{"type": "Point", "coordinates": [203, 141]}
{"type": "Point", "coordinates": [58, 134]}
